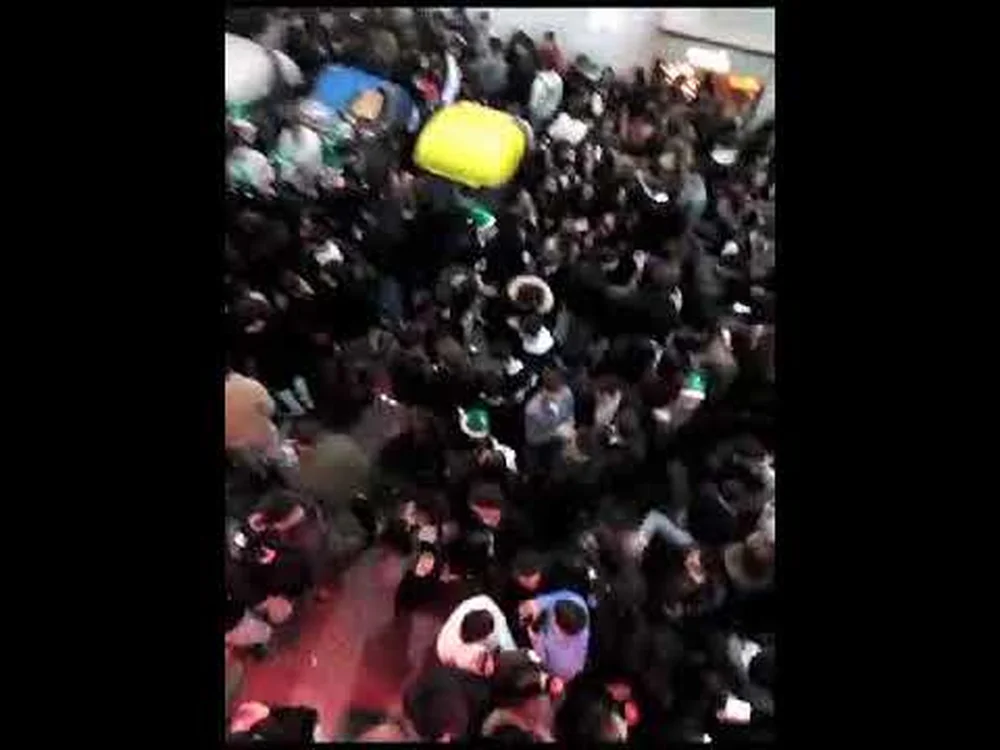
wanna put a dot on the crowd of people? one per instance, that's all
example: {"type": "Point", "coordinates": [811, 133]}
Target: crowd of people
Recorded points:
{"type": "Point", "coordinates": [565, 425]}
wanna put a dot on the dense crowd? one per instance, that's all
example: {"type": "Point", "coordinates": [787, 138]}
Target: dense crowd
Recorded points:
{"type": "Point", "coordinates": [565, 423]}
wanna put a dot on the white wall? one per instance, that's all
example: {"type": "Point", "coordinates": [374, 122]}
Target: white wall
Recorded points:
{"type": "Point", "coordinates": [626, 37]}
{"type": "Point", "coordinates": [752, 28]}
{"type": "Point", "coordinates": [623, 38]}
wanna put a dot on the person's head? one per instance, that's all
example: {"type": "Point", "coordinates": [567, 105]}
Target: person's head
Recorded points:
{"type": "Point", "coordinates": [531, 324]}
{"type": "Point", "coordinates": [759, 551]}
{"type": "Point", "coordinates": [693, 567]}
{"type": "Point", "coordinates": [486, 501]}
{"type": "Point", "coordinates": [411, 335]}
{"type": "Point", "coordinates": [762, 668]}
{"type": "Point", "coordinates": [527, 567]}
{"type": "Point", "coordinates": [501, 349]}
{"type": "Point", "coordinates": [496, 45]}
{"type": "Point", "coordinates": [607, 384]}
{"type": "Point", "coordinates": [551, 255]}
{"type": "Point", "coordinates": [426, 561]}
{"type": "Point", "coordinates": [491, 463]}
{"type": "Point", "coordinates": [476, 626]}
{"type": "Point", "coordinates": [277, 505]}
{"type": "Point", "coordinates": [386, 731]}
{"type": "Point", "coordinates": [364, 725]}
{"type": "Point", "coordinates": [420, 423]}
{"type": "Point", "coordinates": [665, 275]}
{"type": "Point", "coordinates": [252, 314]}
{"type": "Point", "coordinates": [553, 380]}
{"type": "Point", "coordinates": [587, 716]}
{"type": "Point", "coordinates": [306, 432]}
{"type": "Point", "coordinates": [676, 158]}
{"type": "Point", "coordinates": [438, 710]}
{"type": "Point", "coordinates": [570, 617]}
{"type": "Point", "coordinates": [511, 733]}
{"type": "Point", "coordinates": [529, 297]}
{"type": "Point", "coordinates": [639, 76]}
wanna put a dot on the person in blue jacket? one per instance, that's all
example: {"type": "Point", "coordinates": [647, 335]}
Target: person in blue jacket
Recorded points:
{"type": "Point", "coordinates": [559, 629]}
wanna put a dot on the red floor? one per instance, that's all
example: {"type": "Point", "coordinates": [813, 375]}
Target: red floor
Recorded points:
{"type": "Point", "coordinates": [345, 656]}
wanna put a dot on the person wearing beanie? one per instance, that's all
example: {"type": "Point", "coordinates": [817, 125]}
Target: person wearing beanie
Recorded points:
{"type": "Point", "coordinates": [470, 635]}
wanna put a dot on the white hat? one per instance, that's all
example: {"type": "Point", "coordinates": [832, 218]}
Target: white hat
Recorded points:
{"type": "Point", "coordinates": [724, 156]}
{"type": "Point", "coordinates": [247, 167]}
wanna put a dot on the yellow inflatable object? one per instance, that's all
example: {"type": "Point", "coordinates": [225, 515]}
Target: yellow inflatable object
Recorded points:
{"type": "Point", "coordinates": [471, 144]}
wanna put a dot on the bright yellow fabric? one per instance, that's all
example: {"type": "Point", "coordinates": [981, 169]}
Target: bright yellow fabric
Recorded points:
{"type": "Point", "coordinates": [471, 144]}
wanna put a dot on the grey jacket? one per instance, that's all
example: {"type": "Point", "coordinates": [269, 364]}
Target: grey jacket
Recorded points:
{"type": "Point", "coordinates": [544, 414]}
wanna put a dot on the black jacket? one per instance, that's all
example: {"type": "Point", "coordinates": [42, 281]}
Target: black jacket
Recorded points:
{"type": "Point", "coordinates": [291, 724]}
{"type": "Point", "coordinates": [445, 696]}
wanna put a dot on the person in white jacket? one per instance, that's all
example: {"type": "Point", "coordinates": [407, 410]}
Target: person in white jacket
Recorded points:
{"type": "Point", "coordinates": [474, 630]}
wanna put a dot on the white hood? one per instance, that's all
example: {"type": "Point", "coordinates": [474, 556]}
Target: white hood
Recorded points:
{"type": "Point", "coordinates": [249, 74]}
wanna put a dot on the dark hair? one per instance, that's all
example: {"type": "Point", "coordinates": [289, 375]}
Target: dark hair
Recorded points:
{"type": "Point", "coordinates": [550, 35]}
{"type": "Point", "coordinates": [531, 324]}
{"type": "Point", "coordinates": [491, 384]}
{"type": "Point", "coordinates": [570, 616]}
{"type": "Point", "coordinates": [552, 379]}
{"type": "Point", "coordinates": [476, 625]}
{"type": "Point", "coordinates": [278, 503]}
{"type": "Point", "coordinates": [584, 716]}
{"type": "Point", "coordinates": [431, 503]}
{"type": "Point", "coordinates": [527, 562]}
{"type": "Point", "coordinates": [357, 721]}
{"type": "Point", "coordinates": [306, 430]}
{"type": "Point", "coordinates": [486, 495]}
{"type": "Point", "coordinates": [529, 297]}
{"type": "Point", "coordinates": [247, 22]}
{"type": "Point", "coordinates": [762, 668]}
{"type": "Point", "coordinates": [516, 678]}
{"type": "Point", "coordinates": [436, 708]}
{"type": "Point", "coordinates": [496, 44]}
{"type": "Point", "coordinates": [411, 334]}
{"type": "Point", "coordinates": [511, 733]}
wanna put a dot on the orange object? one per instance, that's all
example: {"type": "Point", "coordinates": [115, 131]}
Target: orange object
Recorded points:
{"type": "Point", "coordinates": [744, 83]}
